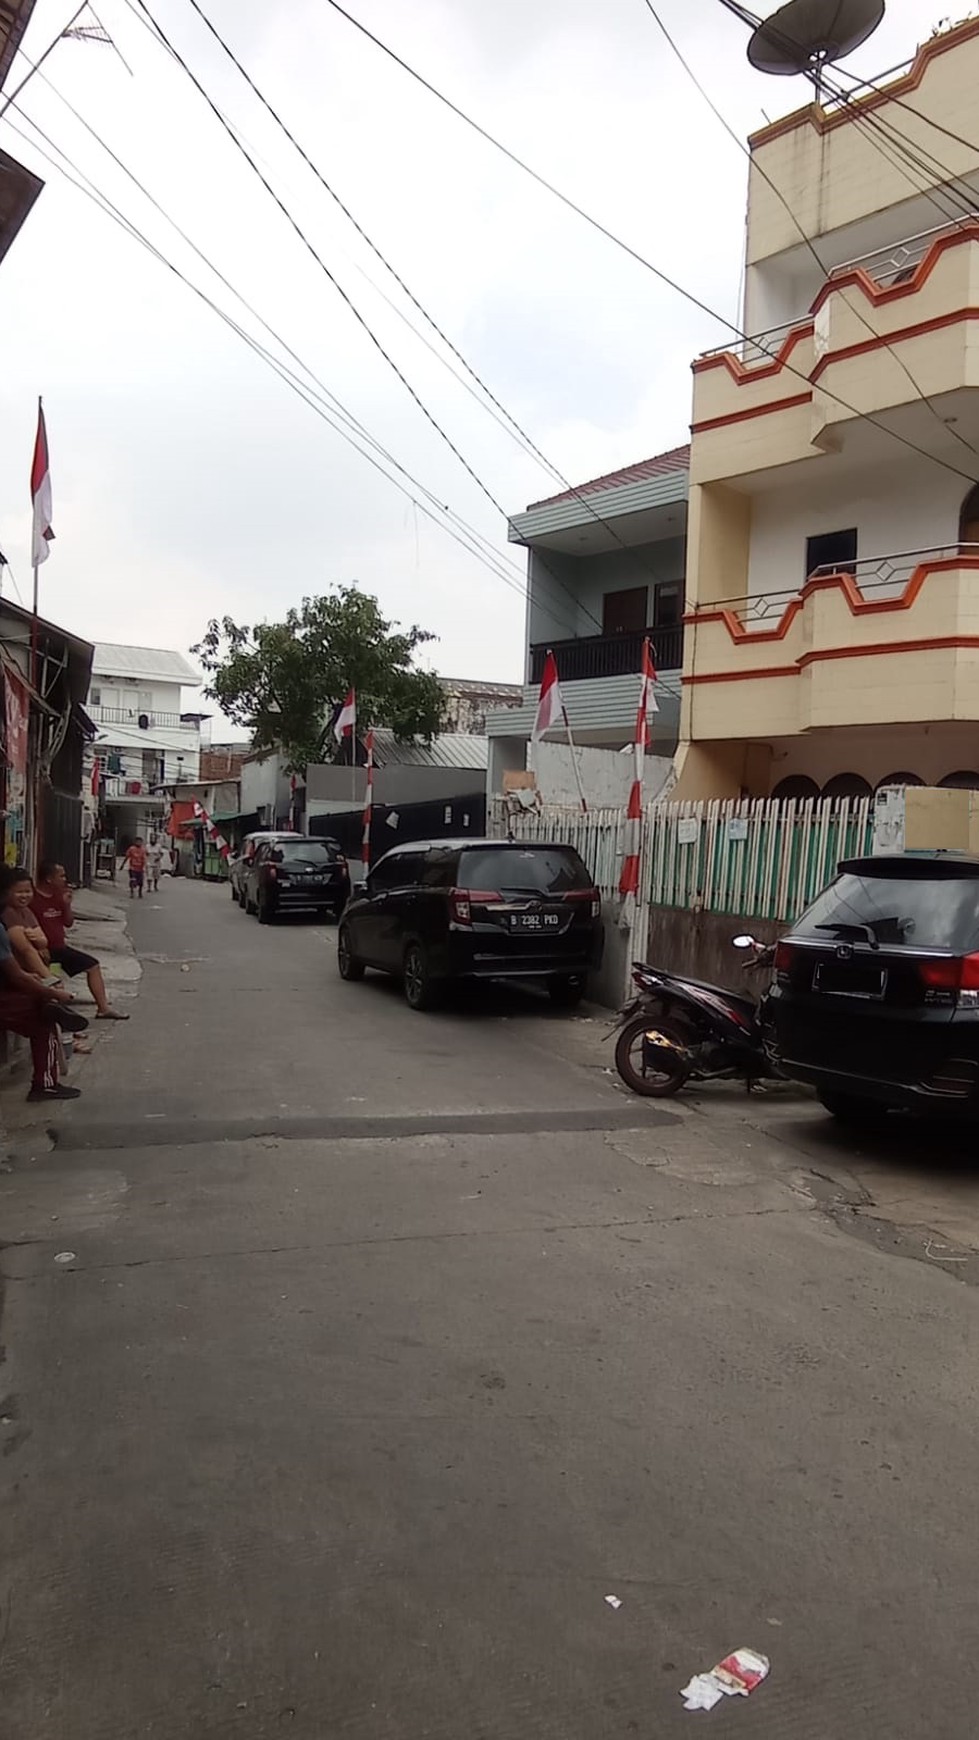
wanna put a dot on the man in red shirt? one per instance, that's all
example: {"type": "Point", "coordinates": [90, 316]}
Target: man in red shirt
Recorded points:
{"type": "Point", "coordinates": [136, 860]}
{"type": "Point", "coordinates": [51, 906]}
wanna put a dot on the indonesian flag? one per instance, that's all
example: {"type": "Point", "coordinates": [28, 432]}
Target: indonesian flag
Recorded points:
{"type": "Point", "coordinates": [345, 723]}
{"type": "Point", "coordinates": [550, 708]}
{"type": "Point", "coordinates": [41, 493]}
{"type": "Point", "coordinates": [96, 777]}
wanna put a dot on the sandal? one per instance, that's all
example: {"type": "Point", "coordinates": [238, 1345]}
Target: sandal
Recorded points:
{"type": "Point", "coordinates": [111, 1015]}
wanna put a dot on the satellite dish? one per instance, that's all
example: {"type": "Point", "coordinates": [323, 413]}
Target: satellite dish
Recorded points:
{"type": "Point", "coordinates": [806, 35]}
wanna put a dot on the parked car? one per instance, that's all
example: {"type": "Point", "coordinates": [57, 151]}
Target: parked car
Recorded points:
{"type": "Point", "coordinates": [440, 910]}
{"type": "Point", "coordinates": [876, 995]}
{"type": "Point", "coordinates": [298, 874]}
{"type": "Point", "coordinates": [241, 862]}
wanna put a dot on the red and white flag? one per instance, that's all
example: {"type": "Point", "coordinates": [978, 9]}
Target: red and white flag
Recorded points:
{"type": "Point", "coordinates": [216, 838]}
{"type": "Point", "coordinates": [629, 879]}
{"type": "Point", "coordinates": [96, 777]}
{"type": "Point", "coordinates": [345, 723]}
{"type": "Point", "coordinates": [41, 494]}
{"type": "Point", "coordinates": [550, 707]}
{"type": "Point", "coordinates": [365, 843]}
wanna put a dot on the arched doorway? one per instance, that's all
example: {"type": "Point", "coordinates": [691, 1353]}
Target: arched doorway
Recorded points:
{"type": "Point", "coordinates": [796, 785]}
{"type": "Point", "coordinates": [969, 520]}
{"type": "Point", "coordinates": [898, 779]}
{"type": "Point", "coordinates": [846, 785]}
{"type": "Point", "coordinates": [964, 779]}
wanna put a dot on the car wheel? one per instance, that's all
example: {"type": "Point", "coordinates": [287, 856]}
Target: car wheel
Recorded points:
{"type": "Point", "coordinates": [669, 1068]}
{"type": "Point", "coordinates": [420, 988]}
{"type": "Point", "coordinates": [567, 991]}
{"type": "Point", "coordinates": [350, 967]}
{"type": "Point", "coordinates": [851, 1108]}
{"type": "Point", "coordinates": [264, 911]}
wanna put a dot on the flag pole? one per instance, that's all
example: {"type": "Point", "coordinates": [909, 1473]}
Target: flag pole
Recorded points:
{"type": "Point", "coordinates": [34, 633]}
{"type": "Point", "coordinates": [574, 758]}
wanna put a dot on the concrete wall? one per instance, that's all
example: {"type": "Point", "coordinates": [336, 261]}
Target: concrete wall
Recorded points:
{"type": "Point", "coordinates": [901, 507]}
{"type": "Point", "coordinates": [698, 944]}
{"type": "Point", "coordinates": [265, 788]}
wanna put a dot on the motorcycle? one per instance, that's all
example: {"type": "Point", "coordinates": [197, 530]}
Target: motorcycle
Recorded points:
{"type": "Point", "coordinates": [678, 1030]}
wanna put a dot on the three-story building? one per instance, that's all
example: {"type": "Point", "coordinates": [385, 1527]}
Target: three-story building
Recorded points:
{"type": "Point", "coordinates": [146, 739]}
{"type": "Point", "coordinates": [832, 628]}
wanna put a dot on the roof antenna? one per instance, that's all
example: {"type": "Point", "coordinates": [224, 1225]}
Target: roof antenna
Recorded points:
{"type": "Point", "coordinates": [90, 28]}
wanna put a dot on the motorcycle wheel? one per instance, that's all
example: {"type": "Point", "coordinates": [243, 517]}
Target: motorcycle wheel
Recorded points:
{"type": "Point", "coordinates": [672, 1071]}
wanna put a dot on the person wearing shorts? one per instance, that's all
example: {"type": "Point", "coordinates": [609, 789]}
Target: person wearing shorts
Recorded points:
{"type": "Point", "coordinates": [136, 863]}
{"type": "Point", "coordinates": [51, 906]}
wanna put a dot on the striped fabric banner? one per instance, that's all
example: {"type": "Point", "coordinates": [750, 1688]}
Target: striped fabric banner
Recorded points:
{"type": "Point", "coordinates": [629, 880]}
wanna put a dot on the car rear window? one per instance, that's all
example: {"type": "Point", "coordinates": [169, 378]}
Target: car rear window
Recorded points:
{"type": "Point", "coordinates": [304, 852]}
{"type": "Point", "coordinates": [524, 870]}
{"type": "Point", "coordinates": [940, 912]}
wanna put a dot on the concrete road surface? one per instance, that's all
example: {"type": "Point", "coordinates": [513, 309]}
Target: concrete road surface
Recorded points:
{"type": "Point", "coordinates": [385, 1346]}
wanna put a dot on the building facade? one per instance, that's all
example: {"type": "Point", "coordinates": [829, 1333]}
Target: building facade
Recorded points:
{"type": "Point", "coordinates": [605, 566]}
{"type": "Point", "coordinates": [146, 741]}
{"type": "Point", "coordinates": [832, 627]}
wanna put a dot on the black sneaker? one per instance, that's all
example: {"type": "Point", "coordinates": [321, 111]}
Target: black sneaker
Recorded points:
{"type": "Point", "coordinates": [55, 1093]}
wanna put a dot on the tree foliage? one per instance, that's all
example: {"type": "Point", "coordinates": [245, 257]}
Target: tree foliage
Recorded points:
{"type": "Point", "coordinates": [281, 680]}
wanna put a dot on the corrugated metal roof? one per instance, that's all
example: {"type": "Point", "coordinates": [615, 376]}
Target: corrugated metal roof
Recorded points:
{"type": "Point", "coordinates": [677, 459]}
{"type": "Point", "coordinates": [152, 662]}
{"type": "Point", "coordinates": [452, 749]}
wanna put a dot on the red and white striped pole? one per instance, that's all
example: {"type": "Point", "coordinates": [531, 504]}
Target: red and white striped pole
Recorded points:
{"type": "Point", "coordinates": [629, 879]}
{"type": "Point", "coordinates": [217, 840]}
{"type": "Point", "coordinates": [365, 844]}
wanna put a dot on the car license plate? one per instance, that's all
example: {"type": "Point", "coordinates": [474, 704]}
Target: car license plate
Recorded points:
{"type": "Point", "coordinates": [534, 921]}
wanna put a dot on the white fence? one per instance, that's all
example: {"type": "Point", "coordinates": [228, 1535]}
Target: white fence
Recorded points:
{"type": "Point", "coordinates": [761, 857]}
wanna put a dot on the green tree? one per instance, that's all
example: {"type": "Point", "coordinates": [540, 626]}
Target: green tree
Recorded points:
{"type": "Point", "coordinates": [282, 680]}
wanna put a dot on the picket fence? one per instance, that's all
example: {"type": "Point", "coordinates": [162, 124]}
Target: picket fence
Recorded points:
{"type": "Point", "coordinates": [760, 857]}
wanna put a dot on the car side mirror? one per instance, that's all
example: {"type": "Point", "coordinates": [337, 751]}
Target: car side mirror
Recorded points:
{"type": "Point", "coordinates": [743, 942]}
{"type": "Point", "coordinates": [360, 887]}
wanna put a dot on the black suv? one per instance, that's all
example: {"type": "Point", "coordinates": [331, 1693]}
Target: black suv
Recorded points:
{"type": "Point", "coordinates": [876, 995]}
{"type": "Point", "coordinates": [475, 909]}
{"type": "Point", "coordinates": [295, 874]}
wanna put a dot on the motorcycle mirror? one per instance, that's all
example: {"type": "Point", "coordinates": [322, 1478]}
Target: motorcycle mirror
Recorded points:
{"type": "Point", "coordinates": [743, 942]}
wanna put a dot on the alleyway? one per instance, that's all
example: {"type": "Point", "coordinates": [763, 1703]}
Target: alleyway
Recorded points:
{"type": "Point", "coordinates": [390, 1345]}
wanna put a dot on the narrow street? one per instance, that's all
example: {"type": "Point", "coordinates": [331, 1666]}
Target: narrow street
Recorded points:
{"type": "Point", "coordinates": [390, 1345]}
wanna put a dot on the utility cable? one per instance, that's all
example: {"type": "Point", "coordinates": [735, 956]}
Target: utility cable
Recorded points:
{"type": "Point", "coordinates": [79, 181]}
{"type": "Point", "coordinates": [348, 300]}
{"type": "Point", "coordinates": [633, 253]}
{"type": "Point", "coordinates": [509, 422]}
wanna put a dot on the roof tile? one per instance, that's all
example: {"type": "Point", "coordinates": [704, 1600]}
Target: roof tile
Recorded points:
{"type": "Point", "coordinates": [677, 459]}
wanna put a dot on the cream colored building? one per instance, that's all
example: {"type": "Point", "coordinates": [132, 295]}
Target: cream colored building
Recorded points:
{"type": "Point", "coordinates": [832, 626]}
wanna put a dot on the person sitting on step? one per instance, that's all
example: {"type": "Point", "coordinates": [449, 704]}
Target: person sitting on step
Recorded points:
{"type": "Point", "coordinates": [50, 905]}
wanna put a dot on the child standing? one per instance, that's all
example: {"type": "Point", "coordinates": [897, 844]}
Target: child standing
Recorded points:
{"type": "Point", "coordinates": [136, 861]}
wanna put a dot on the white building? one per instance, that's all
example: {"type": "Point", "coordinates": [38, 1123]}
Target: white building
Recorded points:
{"type": "Point", "coordinates": [605, 567]}
{"type": "Point", "coordinates": [146, 740]}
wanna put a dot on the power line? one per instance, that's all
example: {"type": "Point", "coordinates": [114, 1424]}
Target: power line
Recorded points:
{"type": "Point", "coordinates": [348, 300]}
{"type": "Point", "coordinates": [640, 259]}
{"type": "Point", "coordinates": [511, 424]}
{"type": "Point", "coordinates": [462, 537]}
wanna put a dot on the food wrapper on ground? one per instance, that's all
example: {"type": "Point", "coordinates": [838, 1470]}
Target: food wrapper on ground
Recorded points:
{"type": "Point", "coordinates": [737, 1675]}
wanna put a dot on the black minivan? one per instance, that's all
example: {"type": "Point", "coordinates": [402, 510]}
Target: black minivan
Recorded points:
{"type": "Point", "coordinates": [438, 910]}
{"type": "Point", "coordinates": [876, 994]}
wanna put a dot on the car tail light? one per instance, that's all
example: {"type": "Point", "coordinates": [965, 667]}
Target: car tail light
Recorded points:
{"type": "Point", "coordinates": [951, 973]}
{"type": "Point", "coordinates": [462, 901]}
{"type": "Point", "coordinates": [784, 956]}
{"type": "Point", "coordinates": [596, 906]}
{"type": "Point", "coordinates": [590, 895]}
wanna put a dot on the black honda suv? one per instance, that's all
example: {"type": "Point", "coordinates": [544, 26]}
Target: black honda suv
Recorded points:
{"type": "Point", "coordinates": [437, 910]}
{"type": "Point", "coordinates": [876, 994]}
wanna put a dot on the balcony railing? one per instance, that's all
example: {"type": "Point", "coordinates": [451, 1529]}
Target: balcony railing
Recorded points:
{"type": "Point", "coordinates": [877, 578]}
{"type": "Point", "coordinates": [608, 655]}
{"type": "Point", "coordinates": [133, 715]}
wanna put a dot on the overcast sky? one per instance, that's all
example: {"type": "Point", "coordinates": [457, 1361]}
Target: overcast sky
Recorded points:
{"type": "Point", "coordinates": [189, 481]}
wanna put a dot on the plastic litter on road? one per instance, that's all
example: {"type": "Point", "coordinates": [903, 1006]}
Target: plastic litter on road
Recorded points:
{"type": "Point", "coordinates": [613, 1601]}
{"type": "Point", "coordinates": [734, 1677]}
{"type": "Point", "coordinates": [65, 1257]}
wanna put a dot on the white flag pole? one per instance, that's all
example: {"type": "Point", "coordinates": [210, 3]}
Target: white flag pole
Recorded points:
{"type": "Point", "coordinates": [574, 758]}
